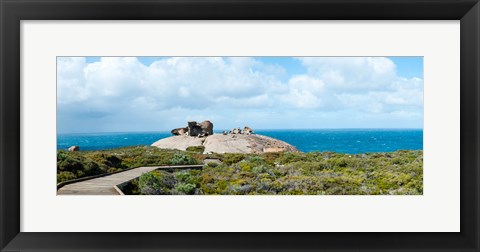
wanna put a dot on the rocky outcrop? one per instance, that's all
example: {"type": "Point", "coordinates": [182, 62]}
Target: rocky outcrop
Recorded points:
{"type": "Point", "coordinates": [230, 143]}
{"type": "Point", "coordinates": [74, 148]}
{"type": "Point", "coordinates": [179, 131]}
{"type": "Point", "coordinates": [273, 149]}
{"type": "Point", "coordinates": [247, 130]}
{"type": "Point", "coordinates": [234, 141]}
{"type": "Point", "coordinates": [207, 127]}
{"type": "Point", "coordinates": [178, 142]}
{"type": "Point", "coordinates": [236, 131]}
{"type": "Point", "coordinates": [195, 129]}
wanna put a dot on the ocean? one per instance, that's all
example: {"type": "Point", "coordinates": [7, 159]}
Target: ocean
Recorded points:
{"type": "Point", "coordinates": [352, 141]}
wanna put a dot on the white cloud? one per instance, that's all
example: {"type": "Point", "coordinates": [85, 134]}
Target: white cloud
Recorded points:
{"type": "Point", "coordinates": [351, 73]}
{"type": "Point", "coordinates": [304, 92]}
{"type": "Point", "coordinates": [368, 84]}
{"type": "Point", "coordinates": [117, 90]}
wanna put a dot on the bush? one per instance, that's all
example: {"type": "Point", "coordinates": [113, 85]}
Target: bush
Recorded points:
{"type": "Point", "coordinates": [185, 188]}
{"type": "Point", "coordinates": [113, 161]}
{"type": "Point", "coordinates": [212, 164]}
{"type": "Point", "coordinates": [70, 164]}
{"type": "Point", "coordinates": [149, 184]}
{"type": "Point", "coordinates": [91, 168]}
{"type": "Point", "coordinates": [260, 169]}
{"type": "Point", "coordinates": [156, 182]}
{"type": "Point", "coordinates": [87, 163]}
{"type": "Point", "coordinates": [289, 157]}
{"type": "Point", "coordinates": [131, 188]}
{"type": "Point", "coordinates": [232, 158]}
{"type": "Point", "coordinates": [64, 176]}
{"type": "Point", "coordinates": [182, 159]}
{"type": "Point", "coordinates": [186, 177]}
{"type": "Point", "coordinates": [61, 155]}
{"type": "Point", "coordinates": [245, 166]}
{"type": "Point", "coordinates": [197, 149]}
{"type": "Point", "coordinates": [399, 172]}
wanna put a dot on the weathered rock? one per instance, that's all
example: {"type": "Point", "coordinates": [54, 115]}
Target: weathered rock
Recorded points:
{"type": "Point", "coordinates": [233, 141]}
{"type": "Point", "coordinates": [219, 143]}
{"type": "Point", "coordinates": [273, 149]}
{"type": "Point", "coordinates": [194, 129]}
{"type": "Point", "coordinates": [74, 148]}
{"type": "Point", "coordinates": [178, 142]}
{"type": "Point", "coordinates": [207, 127]}
{"type": "Point", "coordinates": [247, 130]}
{"type": "Point", "coordinates": [179, 131]}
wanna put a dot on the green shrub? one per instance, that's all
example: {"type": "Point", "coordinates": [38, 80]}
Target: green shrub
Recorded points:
{"type": "Point", "coordinates": [232, 158]}
{"type": "Point", "coordinates": [185, 188]}
{"type": "Point", "coordinates": [131, 188]}
{"type": "Point", "coordinates": [271, 157]}
{"type": "Point", "coordinates": [70, 164]}
{"type": "Point", "coordinates": [149, 184]}
{"type": "Point", "coordinates": [64, 176]}
{"type": "Point", "coordinates": [289, 157]}
{"type": "Point", "coordinates": [182, 159]}
{"type": "Point", "coordinates": [156, 182]}
{"type": "Point", "coordinates": [61, 155]}
{"type": "Point", "coordinates": [245, 166]}
{"type": "Point", "coordinates": [260, 168]}
{"type": "Point", "coordinates": [197, 149]}
{"type": "Point", "coordinates": [222, 184]}
{"type": "Point", "coordinates": [186, 176]}
{"type": "Point", "coordinates": [255, 160]}
{"type": "Point", "coordinates": [212, 164]}
{"type": "Point", "coordinates": [399, 172]}
{"type": "Point", "coordinates": [91, 168]}
{"type": "Point", "coordinates": [113, 161]}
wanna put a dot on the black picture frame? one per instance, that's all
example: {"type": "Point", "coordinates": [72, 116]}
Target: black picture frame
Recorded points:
{"type": "Point", "coordinates": [13, 11]}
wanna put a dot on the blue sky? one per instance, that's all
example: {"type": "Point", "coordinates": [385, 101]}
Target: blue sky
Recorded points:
{"type": "Point", "coordinates": [121, 94]}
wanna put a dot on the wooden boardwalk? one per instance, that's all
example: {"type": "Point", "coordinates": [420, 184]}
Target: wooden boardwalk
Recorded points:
{"type": "Point", "coordinates": [106, 185]}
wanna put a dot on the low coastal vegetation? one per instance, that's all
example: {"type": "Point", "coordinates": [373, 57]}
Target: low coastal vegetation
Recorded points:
{"type": "Point", "coordinates": [78, 164]}
{"type": "Point", "coordinates": [287, 173]}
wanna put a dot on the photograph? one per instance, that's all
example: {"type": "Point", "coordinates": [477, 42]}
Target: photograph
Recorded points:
{"type": "Point", "coordinates": [240, 125]}
{"type": "Point", "coordinates": [259, 125]}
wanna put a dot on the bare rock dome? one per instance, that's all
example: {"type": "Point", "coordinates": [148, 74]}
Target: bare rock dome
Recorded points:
{"type": "Point", "coordinates": [236, 141]}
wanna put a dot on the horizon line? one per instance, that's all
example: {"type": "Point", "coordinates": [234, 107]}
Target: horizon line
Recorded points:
{"type": "Point", "coordinates": [168, 131]}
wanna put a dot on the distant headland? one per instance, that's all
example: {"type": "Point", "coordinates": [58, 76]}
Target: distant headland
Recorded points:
{"type": "Point", "coordinates": [233, 141]}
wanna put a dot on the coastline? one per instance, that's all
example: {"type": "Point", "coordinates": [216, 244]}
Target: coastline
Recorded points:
{"type": "Point", "coordinates": [307, 140]}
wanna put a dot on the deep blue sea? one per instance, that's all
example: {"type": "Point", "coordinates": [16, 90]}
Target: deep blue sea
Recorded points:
{"type": "Point", "coordinates": [350, 141]}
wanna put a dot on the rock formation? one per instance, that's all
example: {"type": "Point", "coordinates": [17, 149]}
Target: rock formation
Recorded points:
{"type": "Point", "coordinates": [236, 131]}
{"type": "Point", "coordinates": [179, 131]}
{"type": "Point", "coordinates": [195, 129]}
{"type": "Point", "coordinates": [247, 130]}
{"type": "Point", "coordinates": [74, 148]}
{"type": "Point", "coordinates": [234, 141]}
{"type": "Point", "coordinates": [207, 127]}
{"type": "Point", "coordinates": [231, 143]}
